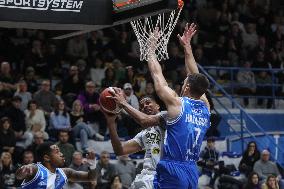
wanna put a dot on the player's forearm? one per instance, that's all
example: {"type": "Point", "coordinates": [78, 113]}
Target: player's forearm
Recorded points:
{"type": "Point", "coordinates": [156, 72]}
{"type": "Point", "coordinates": [116, 144]}
{"type": "Point", "coordinates": [138, 116]}
{"type": "Point", "coordinates": [92, 174]}
{"type": "Point", "coordinates": [190, 63]}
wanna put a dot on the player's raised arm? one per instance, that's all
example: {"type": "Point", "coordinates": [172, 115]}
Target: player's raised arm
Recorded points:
{"type": "Point", "coordinates": [141, 118]}
{"type": "Point", "coordinates": [26, 172]}
{"type": "Point", "coordinates": [190, 63]}
{"type": "Point", "coordinates": [166, 94]}
{"type": "Point", "coordinates": [128, 147]}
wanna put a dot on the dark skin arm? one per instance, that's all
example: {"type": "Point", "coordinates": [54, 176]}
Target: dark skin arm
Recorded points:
{"type": "Point", "coordinates": [128, 147]}
{"type": "Point", "coordinates": [141, 118]}
{"type": "Point", "coordinates": [80, 176]}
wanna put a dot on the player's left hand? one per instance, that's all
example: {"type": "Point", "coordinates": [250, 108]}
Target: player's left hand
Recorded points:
{"type": "Point", "coordinates": [118, 96]}
{"type": "Point", "coordinates": [189, 32]}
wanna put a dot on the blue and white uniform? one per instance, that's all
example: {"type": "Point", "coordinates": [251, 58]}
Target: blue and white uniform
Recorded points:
{"type": "Point", "coordinates": [44, 179]}
{"type": "Point", "coordinates": [183, 138]}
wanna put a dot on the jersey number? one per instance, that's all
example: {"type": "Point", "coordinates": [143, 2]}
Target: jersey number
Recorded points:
{"type": "Point", "coordinates": [197, 132]}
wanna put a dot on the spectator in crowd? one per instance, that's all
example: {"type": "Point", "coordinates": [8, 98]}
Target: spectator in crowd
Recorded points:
{"type": "Point", "coordinates": [80, 128]}
{"type": "Point", "coordinates": [110, 78]}
{"type": "Point", "coordinates": [97, 71]}
{"type": "Point", "coordinates": [36, 57]}
{"type": "Point", "coordinates": [7, 171]}
{"type": "Point", "coordinates": [271, 183]}
{"type": "Point", "coordinates": [209, 160]}
{"type": "Point", "coordinates": [28, 157]}
{"type": "Point", "coordinates": [77, 48]}
{"type": "Point", "coordinates": [31, 80]}
{"type": "Point", "coordinates": [250, 38]}
{"type": "Point", "coordinates": [90, 102]}
{"type": "Point", "coordinates": [60, 119]}
{"type": "Point", "coordinates": [131, 98]}
{"type": "Point", "coordinates": [130, 77]}
{"type": "Point", "coordinates": [250, 156]}
{"type": "Point", "coordinates": [45, 98]}
{"type": "Point", "coordinates": [263, 80]}
{"type": "Point", "coordinates": [116, 183]}
{"type": "Point", "coordinates": [38, 139]}
{"type": "Point", "coordinates": [35, 120]}
{"type": "Point", "coordinates": [126, 170]}
{"type": "Point", "coordinates": [253, 181]}
{"type": "Point", "coordinates": [106, 170]}
{"type": "Point", "coordinates": [6, 77]}
{"type": "Point", "coordinates": [7, 136]}
{"type": "Point", "coordinates": [66, 148]}
{"type": "Point", "coordinates": [264, 167]}
{"type": "Point", "coordinates": [259, 61]}
{"type": "Point", "coordinates": [73, 84]}
{"type": "Point", "coordinates": [17, 117]}
{"type": "Point", "coordinates": [24, 94]}
{"type": "Point", "coordinates": [246, 82]}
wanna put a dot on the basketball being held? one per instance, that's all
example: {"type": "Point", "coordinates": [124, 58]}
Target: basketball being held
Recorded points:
{"type": "Point", "coordinates": [107, 103]}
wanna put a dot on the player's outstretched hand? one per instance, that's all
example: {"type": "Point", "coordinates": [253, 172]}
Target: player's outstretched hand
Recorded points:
{"type": "Point", "coordinates": [189, 32]}
{"type": "Point", "coordinates": [26, 171]}
{"type": "Point", "coordinates": [118, 96]}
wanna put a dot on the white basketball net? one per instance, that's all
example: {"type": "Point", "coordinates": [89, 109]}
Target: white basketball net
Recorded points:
{"type": "Point", "coordinates": [144, 27]}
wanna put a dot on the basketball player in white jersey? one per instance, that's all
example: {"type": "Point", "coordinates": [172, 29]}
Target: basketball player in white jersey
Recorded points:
{"type": "Point", "coordinates": [149, 139]}
{"type": "Point", "coordinates": [48, 174]}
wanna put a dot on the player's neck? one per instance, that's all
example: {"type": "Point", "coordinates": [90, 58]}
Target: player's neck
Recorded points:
{"type": "Point", "coordinates": [49, 167]}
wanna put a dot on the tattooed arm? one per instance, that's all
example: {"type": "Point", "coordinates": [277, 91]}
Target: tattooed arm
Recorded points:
{"type": "Point", "coordinates": [81, 176]}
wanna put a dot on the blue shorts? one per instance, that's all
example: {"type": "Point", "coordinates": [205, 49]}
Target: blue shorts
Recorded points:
{"type": "Point", "coordinates": [176, 174]}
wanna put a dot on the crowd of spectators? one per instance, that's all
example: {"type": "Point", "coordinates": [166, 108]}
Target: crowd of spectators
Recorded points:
{"type": "Point", "coordinates": [49, 89]}
{"type": "Point", "coordinates": [256, 170]}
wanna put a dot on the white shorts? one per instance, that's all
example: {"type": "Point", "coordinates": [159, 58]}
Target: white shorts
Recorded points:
{"type": "Point", "coordinates": [144, 180]}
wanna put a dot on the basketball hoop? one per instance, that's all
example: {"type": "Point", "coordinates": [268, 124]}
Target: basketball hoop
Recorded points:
{"type": "Point", "coordinates": [144, 27]}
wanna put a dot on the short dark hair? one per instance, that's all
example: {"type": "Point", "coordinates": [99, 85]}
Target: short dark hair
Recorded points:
{"type": "Point", "coordinates": [147, 97]}
{"type": "Point", "coordinates": [43, 149]}
{"type": "Point", "coordinates": [31, 102]}
{"type": "Point", "coordinates": [198, 84]}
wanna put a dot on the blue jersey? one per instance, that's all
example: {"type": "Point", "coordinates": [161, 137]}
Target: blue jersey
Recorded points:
{"type": "Point", "coordinates": [184, 134]}
{"type": "Point", "coordinates": [44, 179]}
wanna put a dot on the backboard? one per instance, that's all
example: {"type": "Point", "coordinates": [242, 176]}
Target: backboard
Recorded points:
{"type": "Point", "coordinates": [79, 15]}
{"type": "Point", "coordinates": [126, 10]}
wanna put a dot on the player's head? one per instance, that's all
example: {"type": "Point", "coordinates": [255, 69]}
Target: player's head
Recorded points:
{"type": "Point", "coordinates": [195, 85]}
{"type": "Point", "coordinates": [148, 105]}
{"type": "Point", "coordinates": [49, 153]}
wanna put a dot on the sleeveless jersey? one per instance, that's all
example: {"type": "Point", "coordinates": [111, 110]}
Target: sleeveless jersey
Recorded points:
{"type": "Point", "coordinates": [184, 134]}
{"type": "Point", "coordinates": [151, 140]}
{"type": "Point", "coordinates": [44, 179]}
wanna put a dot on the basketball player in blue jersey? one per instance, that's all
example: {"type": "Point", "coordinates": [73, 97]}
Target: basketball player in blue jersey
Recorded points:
{"type": "Point", "coordinates": [187, 123]}
{"type": "Point", "coordinates": [48, 174]}
{"type": "Point", "coordinates": [150, 139]}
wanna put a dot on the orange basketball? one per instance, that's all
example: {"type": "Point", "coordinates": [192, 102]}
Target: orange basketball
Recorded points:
{"type": "Point", "coordinates": [108, 104]}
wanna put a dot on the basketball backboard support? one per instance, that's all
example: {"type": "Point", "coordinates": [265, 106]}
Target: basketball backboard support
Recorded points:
{"type": "Point", "coordinates": [78, 15]}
